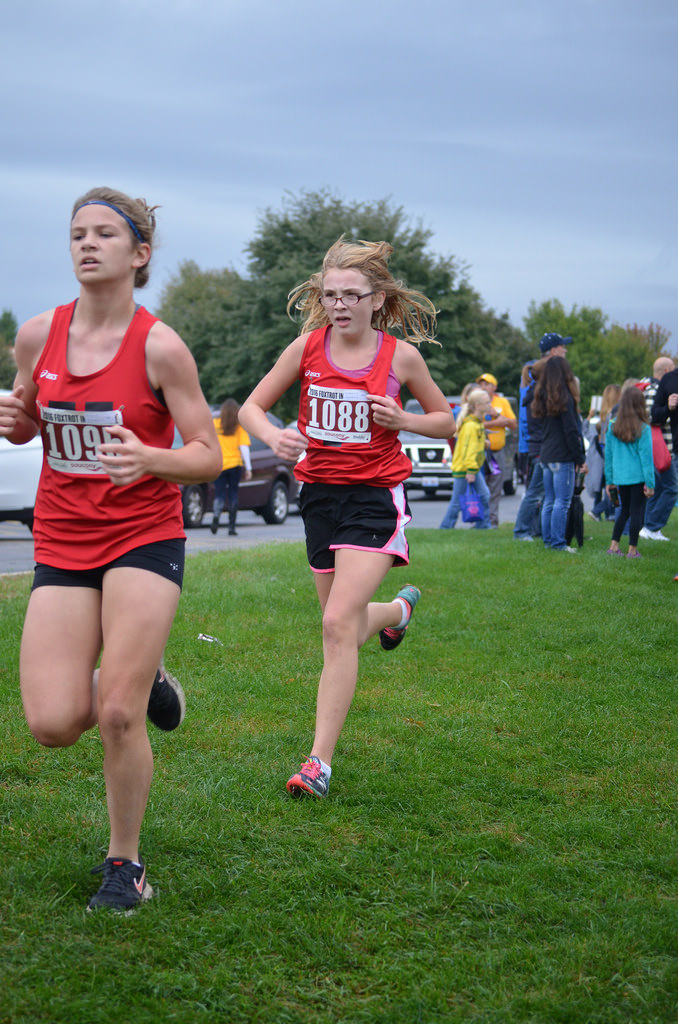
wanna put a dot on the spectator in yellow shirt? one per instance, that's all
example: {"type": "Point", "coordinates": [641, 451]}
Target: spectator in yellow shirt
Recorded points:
{"type": "Point", "coordinates": [502, 421]}
{"type": "Point", "coordinates": [235, 451]}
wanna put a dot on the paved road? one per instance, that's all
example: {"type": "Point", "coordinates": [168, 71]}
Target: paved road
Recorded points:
{"type": "Point", "coordinates": [16, 542]}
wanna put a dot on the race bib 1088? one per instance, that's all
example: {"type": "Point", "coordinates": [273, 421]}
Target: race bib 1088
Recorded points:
{"type": "Point", "coordinates": [338, 415]}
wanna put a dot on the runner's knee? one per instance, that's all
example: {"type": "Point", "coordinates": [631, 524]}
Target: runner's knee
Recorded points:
{"type": "Point", "coordinates": [57, 730]}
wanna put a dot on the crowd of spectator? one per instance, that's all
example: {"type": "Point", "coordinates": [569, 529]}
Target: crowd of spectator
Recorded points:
{"type": "Point", "coordinates": [622, 451]}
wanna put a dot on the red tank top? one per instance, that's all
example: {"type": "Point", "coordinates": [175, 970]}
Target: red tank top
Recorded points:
{"type": "Point", "coordinates": [82, 520]}
{"type": "Point", "coordinates": [345, 445]}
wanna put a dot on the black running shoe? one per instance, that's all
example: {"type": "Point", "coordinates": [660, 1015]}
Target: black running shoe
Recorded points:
{"type": "Point", "coordinates": [167, 704]}
{"type": "Point", "coordinates": [124, 886]}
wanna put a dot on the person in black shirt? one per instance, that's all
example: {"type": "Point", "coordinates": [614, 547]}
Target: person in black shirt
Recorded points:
{"type": "Point", "coordinates": [555, 402]}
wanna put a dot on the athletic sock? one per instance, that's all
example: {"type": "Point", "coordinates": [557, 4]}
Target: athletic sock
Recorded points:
{"type": "Point", "coordinates": [407, 613]}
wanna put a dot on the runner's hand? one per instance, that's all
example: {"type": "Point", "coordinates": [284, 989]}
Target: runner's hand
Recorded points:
{"type": "Point", "coordinates": [385, 411]}
{"type": "Point", "coordinates": [10, 408]}
{"type": "Point", "coordinates": [124, 459]}
{"type": "Point", "coordinates": [289, 444]}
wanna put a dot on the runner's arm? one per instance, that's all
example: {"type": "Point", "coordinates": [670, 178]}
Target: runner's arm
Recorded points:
{"type": "Point", "coordinates": [287, 443]}
{"type": "Point", "coordinates": [18, 412]}
{"type": "Point", "coordinates": [171, 369]}
{"type": "Point", "coordinates": [412, 371]}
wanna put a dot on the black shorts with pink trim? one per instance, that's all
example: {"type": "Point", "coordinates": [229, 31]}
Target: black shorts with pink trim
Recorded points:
{"type": "Point", "coordinates": [354, 516]}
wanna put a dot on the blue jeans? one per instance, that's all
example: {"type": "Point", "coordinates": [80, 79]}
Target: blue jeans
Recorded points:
{"type": "Point", "coordinates": [603, 506]}
{"type": "Point", "coordinates": [660, 506]}
{"type": "Point", "coordinates": [525, 520]}
{"type": "Point", "coordinates": [558, 491]}
{"type": "Point", "coordinates": [459, 485]}
{"type": "Point", "coordinates": [226, 484]}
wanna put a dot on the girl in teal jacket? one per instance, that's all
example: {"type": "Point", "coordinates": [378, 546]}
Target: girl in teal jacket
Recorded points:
{"type": "Point", "coordinates": [629, 467]}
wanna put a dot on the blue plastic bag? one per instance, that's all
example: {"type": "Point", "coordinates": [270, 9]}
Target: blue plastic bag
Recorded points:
{"type": "Point", "coordinates": [471, 505]}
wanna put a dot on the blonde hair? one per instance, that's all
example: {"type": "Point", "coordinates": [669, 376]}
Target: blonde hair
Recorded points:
{"type": "Point", "coordinates": [141, 215]}
{"type": "Point", "coordinates": [469, 405]}
{"type": "Point", "coordinates": [409, 310]}
{"type": "Point", "coordinates": [609, 399]}
{"type": "Point", "coordinates": [526, 375]}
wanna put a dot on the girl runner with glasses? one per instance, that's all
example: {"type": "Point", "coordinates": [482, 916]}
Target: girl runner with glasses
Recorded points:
{"type": "Point", "coordinates": [352, 465]}
{"type": "Point", "coordinates": [105, 382]}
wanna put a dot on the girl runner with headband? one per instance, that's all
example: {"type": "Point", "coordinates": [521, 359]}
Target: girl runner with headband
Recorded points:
{"type": "Point", "coordinates": [105, 382]}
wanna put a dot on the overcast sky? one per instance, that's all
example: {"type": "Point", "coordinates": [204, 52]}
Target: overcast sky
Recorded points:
{"type": "Point", "coordinates": [536, 139]}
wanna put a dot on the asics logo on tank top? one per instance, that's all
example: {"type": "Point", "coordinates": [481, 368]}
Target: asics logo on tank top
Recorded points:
{"type": "Point", "coordinates": [49, 376]}
{"type": "Point", "coordinates": [311, 373]}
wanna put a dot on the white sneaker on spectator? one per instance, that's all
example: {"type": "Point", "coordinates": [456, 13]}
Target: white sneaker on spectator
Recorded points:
{"type": "Point", "coordinates": [652, 534]}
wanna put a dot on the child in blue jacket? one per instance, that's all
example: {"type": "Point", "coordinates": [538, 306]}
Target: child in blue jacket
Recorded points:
{"type": "Point", "coordinates": [629, 467]}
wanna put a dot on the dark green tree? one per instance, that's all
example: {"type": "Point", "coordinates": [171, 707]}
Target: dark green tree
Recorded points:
{"type": "Point", "coordinates": [209, 309]}
{"type": "Point", "coordinates": [8, 329]}
{"type": "Point", "coordinates": [599, 355]}
{"type": "Point", "coordinates": [237, 326]}
{"type": "Point", "coordinates": [289, 246]}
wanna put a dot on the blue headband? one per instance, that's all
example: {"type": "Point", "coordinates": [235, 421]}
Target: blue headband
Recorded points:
{"type": "Point", "coordinates": [102, 202]}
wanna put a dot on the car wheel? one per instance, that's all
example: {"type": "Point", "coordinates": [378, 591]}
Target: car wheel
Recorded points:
{"type": "Point", "coordinates": [276, 508]}
{"type": "Point", "coordinates": [193, 506]}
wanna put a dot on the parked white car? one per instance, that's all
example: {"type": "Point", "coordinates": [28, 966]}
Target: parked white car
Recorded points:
{"type": "Point", "coordinates": [20, 466]}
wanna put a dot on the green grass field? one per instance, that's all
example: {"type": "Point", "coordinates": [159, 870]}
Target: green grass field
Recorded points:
{"type": "Point", "coordinates": [500, 841]}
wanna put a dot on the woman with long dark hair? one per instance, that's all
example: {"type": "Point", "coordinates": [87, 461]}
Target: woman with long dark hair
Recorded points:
{"type": "Point", "coordinates": [235, 451]}
{"type": "Point", "coordinates": [556, 403]}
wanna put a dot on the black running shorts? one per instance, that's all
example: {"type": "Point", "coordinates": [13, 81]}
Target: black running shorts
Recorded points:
{"type": "Point", "coordinates": [163, 557]}
{"type": "Point", "coordinates": [353, 516]}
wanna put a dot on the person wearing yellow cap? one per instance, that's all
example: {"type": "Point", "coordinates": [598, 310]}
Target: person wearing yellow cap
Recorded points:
{"type": "Point", "coordinates": [499, 421]}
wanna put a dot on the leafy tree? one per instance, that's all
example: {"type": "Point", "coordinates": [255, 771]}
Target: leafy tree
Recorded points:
{"type": "Point", "coordinates": [599, 354]}
{"type": "Point", "coordinates": [237, 327]}
{"type": "Point", "coordinates": [290, 245]}
{"type": "Point", "coordinates": [654, 339]}
{"type": "Point", "coordinates": [207, 308]}
{"type": "Point", "coordinates": [8, 329]}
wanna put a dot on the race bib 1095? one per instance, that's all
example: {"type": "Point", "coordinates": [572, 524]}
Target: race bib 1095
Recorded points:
{"type": "Point", "coordinates": [72, 436]}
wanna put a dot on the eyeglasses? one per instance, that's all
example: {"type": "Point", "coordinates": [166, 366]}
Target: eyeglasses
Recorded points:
{"type": "Point", "coordinates": [349, 299]}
